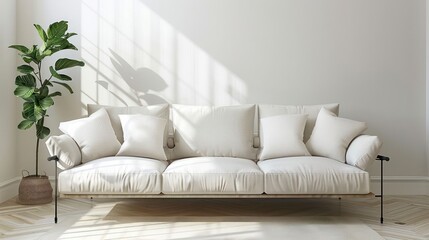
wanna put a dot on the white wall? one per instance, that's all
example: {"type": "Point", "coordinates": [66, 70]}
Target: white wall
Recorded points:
{"type": "Point", "coordinates": [367, 55]}
{"type": "Point", "coordinates": [8, 169]}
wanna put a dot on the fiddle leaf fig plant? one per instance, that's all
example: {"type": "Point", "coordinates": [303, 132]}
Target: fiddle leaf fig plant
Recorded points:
{"type": "Point", "coordinates": [34, 88]}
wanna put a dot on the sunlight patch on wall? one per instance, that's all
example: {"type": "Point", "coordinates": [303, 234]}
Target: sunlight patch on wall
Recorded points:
{"type": "Point", "coordinates": [134, 57]}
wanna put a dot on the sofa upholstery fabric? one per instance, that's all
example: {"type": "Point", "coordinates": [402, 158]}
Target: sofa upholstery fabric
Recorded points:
{"type": "Point", "coordinates": [213, 175]}
{"type": "Point", "coordinates": [312, 175]}
{"type": "Point", "coordinates": [114, 175]}
{"type": "Point", "coordinates": [203, 131]}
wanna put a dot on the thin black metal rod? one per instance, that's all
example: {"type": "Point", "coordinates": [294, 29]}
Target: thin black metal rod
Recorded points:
{"type": "Point", "coordinates": [381, 195]}
{"type": "Point", "coordinates": [381, 198]}
{"type": "Point", "coordinates": [55, 158]}
{"type": "Point", "coordinates": [56, 192]}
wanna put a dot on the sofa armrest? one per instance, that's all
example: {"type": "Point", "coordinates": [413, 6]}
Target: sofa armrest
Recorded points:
{"type": "Point", "coordinates": [66, 149]}
{"type": "Point", "coordinates": [363, 151]}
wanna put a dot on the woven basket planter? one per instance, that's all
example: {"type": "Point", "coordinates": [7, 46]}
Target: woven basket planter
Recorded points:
{"type": "Point", "coordinates": [34, 190]}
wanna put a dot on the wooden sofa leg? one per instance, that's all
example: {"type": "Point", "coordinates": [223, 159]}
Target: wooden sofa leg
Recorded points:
{"type": "Point", "coordinates": [55, 158]}
{"type": "Point", "coordinates": [381, 159]}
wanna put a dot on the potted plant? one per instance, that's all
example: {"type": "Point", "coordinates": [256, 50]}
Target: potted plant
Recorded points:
{"type": "Point", "coordinates": [34, 89]}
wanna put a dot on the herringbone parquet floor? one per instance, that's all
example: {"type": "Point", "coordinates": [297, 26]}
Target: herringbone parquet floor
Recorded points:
{"type": "Point", "coordinates": [406, 217]}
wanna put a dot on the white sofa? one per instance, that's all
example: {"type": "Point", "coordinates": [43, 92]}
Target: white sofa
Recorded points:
{"type": "Point", "coordinates": [198, 151]}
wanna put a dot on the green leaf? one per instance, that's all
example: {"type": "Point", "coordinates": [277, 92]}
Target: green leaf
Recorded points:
{"type": "Point", "coordinates": [25, 80]}
{"type": "Point", "coordinates": [59, 76]}
{"type": "Point", "coordinates": [25, 124]}
{"type": "Point", "coordinates": [64, 85]}
{"type": "Point", "coordinates": [39, 56]}
{"type": "Point", "coordinates": [32, 98]}
{"type": "Point", "coordinates": [54, 94]}
{"type": "Point", "coordinates": [27, 59]}
{"type": "Point", "coordinates": [32, 112]}
{"type": "Point", "coordinates": [28, 111]}
{"type": "Point", "coordinates": [20, 48]}
{"type": "Point", "coordinates": [57, 29]}
{"type": "Point", "coordinates": [41, 32]}
{"type": "Point", "coordinates": [26, 69]}
{"type": "Point", "coordinates": [63, 63]}
{"type": "Point", "coordinates": [42, 132]}
{"type": "Point", "coordinates": [39, 113]}
{"type": "Point", "coordinates": [47, 52]}
{"type": "Point", "coordinates": [32, 54]}
{"type": "Point", "coordinates": [23, 91]}
{"type": "Point", "coordinates": [70, 46]}
{"type": "Point", "coordinates": [57, 41]}
{"type": "Point", "coordinates": [44, 91]}
{"type": "Point", "coordinates": [47, 83]}
{"type": "Point", "coordinates": [68, 35]}
{"type": "Point", "coordinates": [46, 102]}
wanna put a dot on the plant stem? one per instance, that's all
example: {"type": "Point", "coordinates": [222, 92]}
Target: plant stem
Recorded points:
{"type": "Point", "coordinates": [39, 124]}
{"type": "Point", "coordinates": [37, 154]}
{"type": "Point", "coordinates": [40, 74]}
{"type": "Point", "coordinates": [39, 66]}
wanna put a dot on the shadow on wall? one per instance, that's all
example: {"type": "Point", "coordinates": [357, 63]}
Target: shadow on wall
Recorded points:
{"type": "Point", "coordinates": [135, 57]}
{"type": "Point", "coordinates": [141, 81]}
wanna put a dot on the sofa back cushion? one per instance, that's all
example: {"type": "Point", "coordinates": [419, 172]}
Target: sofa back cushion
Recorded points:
{"type": "Point", "coordinates": [203, 131]}
{"type": "Point", "coordinates": [312, 111]}
{"type": "Point", "coordinates": [160, 111]}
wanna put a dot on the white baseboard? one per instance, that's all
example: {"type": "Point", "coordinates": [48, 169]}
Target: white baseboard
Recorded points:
{"type": "Point", "coordinates": [393, 185]}
{"type": "Point", "coordinates": [401, 185]}
{"type": "Point", "coordinates": [9, 189]}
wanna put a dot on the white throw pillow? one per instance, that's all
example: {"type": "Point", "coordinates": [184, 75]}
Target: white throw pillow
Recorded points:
{"type": "Point", "coordinates": [204, 131]}
{"type": "Point", "coordinates": [160, 110]}
{"type": "Point", "coordinates": [362, 151]}
{"type": "Point", "coordinates": [312, 111]}
{"type": "Point", "coordinates": [94, 135]}
{"type": "Point", "coordinates": [283, 136]}
{"type": "Point", "coordinates": [332, 135]}
{"type": "Point", "coordinates": [143, 136]}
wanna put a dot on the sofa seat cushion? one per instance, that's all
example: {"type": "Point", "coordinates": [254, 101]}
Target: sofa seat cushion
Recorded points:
{"type": "Point", "coordinates": [114, 175]}
{"type": "Point", "coordinates": [213, 175]}
{"type": "Point", "coordinates": [312, 175]}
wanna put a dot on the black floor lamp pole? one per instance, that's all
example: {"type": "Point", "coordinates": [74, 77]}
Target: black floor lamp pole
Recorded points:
{"type": "Point", "coordinates": [55, 158]}
{"type": "Point", "coordinates": [381, 159]}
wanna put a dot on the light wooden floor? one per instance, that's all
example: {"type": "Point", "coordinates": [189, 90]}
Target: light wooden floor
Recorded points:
{"type": "Point", "coordinates": [406, 217]}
